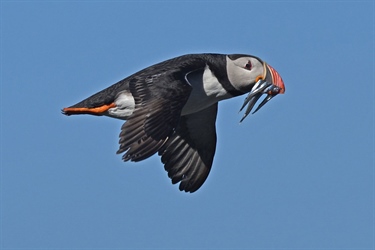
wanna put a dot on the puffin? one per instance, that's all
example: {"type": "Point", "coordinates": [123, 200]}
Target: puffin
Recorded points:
{"type": "Point", "coordinates": [170, 109]}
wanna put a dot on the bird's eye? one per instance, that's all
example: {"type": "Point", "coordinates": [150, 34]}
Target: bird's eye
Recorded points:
{"type": "Point", "coordinates": [248, 66]}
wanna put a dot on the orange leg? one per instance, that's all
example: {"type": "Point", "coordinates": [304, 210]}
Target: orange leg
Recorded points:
{"type": "Point", "coordinates": [93, 111]}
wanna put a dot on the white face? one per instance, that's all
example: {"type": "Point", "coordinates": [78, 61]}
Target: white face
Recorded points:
{"type": "Point", "coordinates": [244, 71]}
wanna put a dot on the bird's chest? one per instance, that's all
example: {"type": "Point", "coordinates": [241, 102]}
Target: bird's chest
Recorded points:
{"type": "Point", "coordinates": [206, 90]}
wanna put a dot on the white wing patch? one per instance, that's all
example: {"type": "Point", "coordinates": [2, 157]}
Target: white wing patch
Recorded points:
{"type": "Point", "coordinates": [124, 106]}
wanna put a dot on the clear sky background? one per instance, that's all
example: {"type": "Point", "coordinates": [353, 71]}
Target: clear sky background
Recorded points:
{"type": "Point", "coordinates": [298, 174]}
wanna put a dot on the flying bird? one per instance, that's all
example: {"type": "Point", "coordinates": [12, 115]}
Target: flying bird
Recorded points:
{"type": "Point", "coordinates": [170, 108]}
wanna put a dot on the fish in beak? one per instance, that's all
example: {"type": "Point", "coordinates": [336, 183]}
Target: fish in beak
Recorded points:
{"type": "Point", "coordinates": [270, 84]}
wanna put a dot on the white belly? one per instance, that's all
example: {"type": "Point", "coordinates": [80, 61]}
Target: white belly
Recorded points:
{"type": "Point", "coordinates": [206, 91]}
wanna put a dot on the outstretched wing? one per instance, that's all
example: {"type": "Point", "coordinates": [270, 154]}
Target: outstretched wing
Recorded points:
{"type": "Point", "coordinates": [189, 153]}
{"type": "Point", "coordinates": [159, 99]}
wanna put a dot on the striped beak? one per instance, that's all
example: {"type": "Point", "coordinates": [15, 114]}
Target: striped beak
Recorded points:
{"type": "Point", "coordinates": [270, 84]}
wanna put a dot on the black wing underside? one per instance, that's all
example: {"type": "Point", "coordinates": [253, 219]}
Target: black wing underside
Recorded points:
{"type": "Point", "coordinates": [189, 153]}
{"type": "Point", "coordinates": [186, 143]}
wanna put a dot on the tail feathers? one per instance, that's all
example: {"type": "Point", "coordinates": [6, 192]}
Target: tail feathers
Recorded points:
{"type": "Point", "coordinates": [99, 103]}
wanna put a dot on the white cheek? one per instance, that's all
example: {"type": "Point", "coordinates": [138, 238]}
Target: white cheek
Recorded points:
{"type": "Point", "coordinates": [237, 76]}
{"type": "Point", "coordinates": [240, 77]}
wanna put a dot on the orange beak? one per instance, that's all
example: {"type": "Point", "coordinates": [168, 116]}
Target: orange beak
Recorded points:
{"type": "Point", "coordinates": [270, 83]}
{"type": "Point", "coordinates": [276, 79]}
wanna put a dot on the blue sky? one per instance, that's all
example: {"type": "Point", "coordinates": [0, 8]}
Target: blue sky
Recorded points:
{"type": "Point", "coordinates": [299, 174]}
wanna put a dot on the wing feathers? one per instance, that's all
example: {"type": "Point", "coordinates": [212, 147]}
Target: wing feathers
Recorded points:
{"type": "Point", "coordinates": [188, 154]}
{"type": "Point", "coordinates": [155, 116]}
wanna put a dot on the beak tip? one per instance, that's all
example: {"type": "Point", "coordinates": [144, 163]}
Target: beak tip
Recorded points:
{"type": "Point", "coordinates": [277, 80]}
